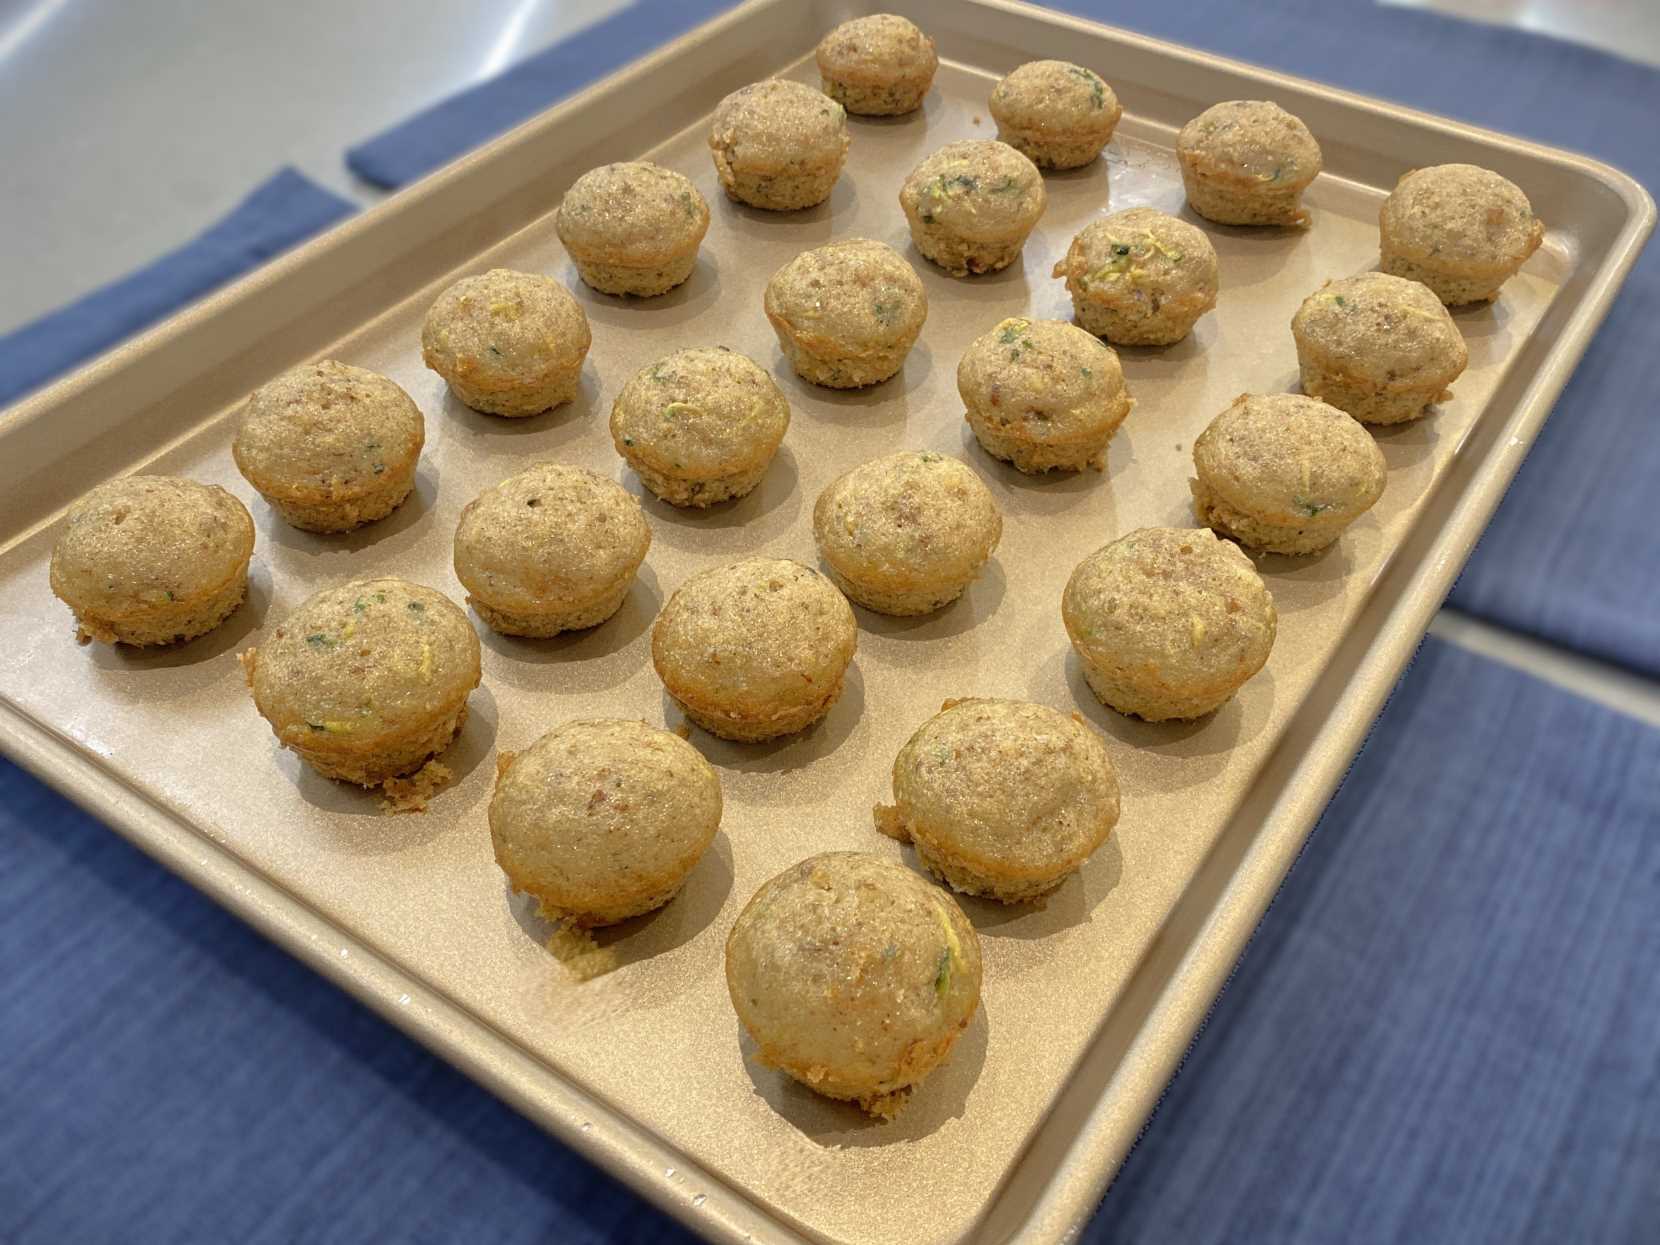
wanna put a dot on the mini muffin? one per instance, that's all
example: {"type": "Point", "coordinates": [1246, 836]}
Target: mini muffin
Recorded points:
{"type": "Point", "coordinates": [1168, 622]}
{"type": "Point", "coordinates": [553, 548]}
{"type": "Point", "coordinates": [332, 447]}
{"type": "Point", "coordinates": [1140, 277]}
{"type": "Point", "coordinates": [854, 976]}
{"type": "Point", "coordinates": [1247, 162]}
{"type": "Point", "coordinates": [1461, 230]}
{"type": "Point", "coordinates": [368, 680]}
{"type": "Point", "coordinates": [878, 66]}
{"type": "Point", "coordinates": [972, 204]}
{"type": "Point", "coordinates": [152, 560]}
{"type": "Point", "coordinates": [1284, 473]}
{"type": "Point", "coordinates": [1002, 798]}
{"type": "Point", "coordinates": [1056, 114]}
{"type": "Point", "coordinates": [907, 533]}
{"type": "Point", "coordinates": [848, 313]}
{"type": "Point", "coordinates": [508, 343]}
{"type": "Point", "coordinates": [700, 426]}
{"type": "Point", "coordinates": [1381, 348]}
{"type": "Point", "coordinates": [1043, 394]}
{"type": "Point", "coordinates": [779, 145]}
{"type": "Point", "coordinates": [601, 820]}
{"type": "Point", "coordinates": [632, 228]}
{"type": "Point", "coordinates": [754, 649]}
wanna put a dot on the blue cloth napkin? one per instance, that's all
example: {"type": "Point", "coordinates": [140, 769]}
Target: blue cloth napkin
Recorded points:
{"type": "Point", "coordinates": [456, 125]}
{"type": "Point", "coordinates": [1444, 1030]}
{"type": "Point", "coordinates": [285, 210]}
{"type": "Point", "coordinates": [168, 1075]}
{"type": "Point", "coordinates": [1574, 555]}
{"type": "Point", "coordinates": [1447, 1027]}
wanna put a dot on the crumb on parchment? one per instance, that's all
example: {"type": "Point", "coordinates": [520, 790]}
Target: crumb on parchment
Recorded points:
{"type": "Point", "coordinates": [411, 794]}
{"type": "Point", "coordinates": [577, 951]}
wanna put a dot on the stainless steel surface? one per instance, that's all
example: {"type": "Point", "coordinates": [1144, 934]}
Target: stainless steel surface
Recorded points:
{"type": "Point", "coordinates": [1089, 1001]}
{"type": "Point", "coordinates": [128, 128]}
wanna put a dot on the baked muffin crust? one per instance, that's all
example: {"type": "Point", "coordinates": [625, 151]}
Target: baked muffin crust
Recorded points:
{"type": "Point", "coordinates": [846, 314]}
{"type": "Point", "coordinates": [1284, 473]}
{"type": "Point", "coordinates": [1043, 394]}
{"type": "Point", "coordinates": [633, 228]}
{"type": "Point", "coordinates": [854, 976]}
{"type": "Point", "coordinates": [553, 548]}
{"type": "Point", "coordinates": [755, 649]}
{"type": "Point", "coordinates": [1460, 229]}
{"type": "Point", "coordinates": [1056, 114]}
{"type": "Point", "coordinates": [330, 446]}
{"type": "Point", "coordinates": [972, 204]}
{"type": "Point", "coordinates": [368, 680]}
{"type": "Point", "coordinates": [1168, 622]}
{"type": "Point", "coordinates": [602, 819]}
{"type": "Point", "coordinates": [700, 426]}
{"type": "Point", "coordinates": [1247, 162]}
{"type": "Point", "coordinates": [907, 533]}
{"type": "Point", "coordinates": [152, 560]}
{"type": "Point", "coordinates": [877, 66]}
{"type": "Point", "coordinates": [1381, 348]}
{"type": "Point", "coordinates": [779, 145]}
{"type": "Point", "coordinates": [507, 343]}
{"type": "Point", "coordinates": [1002, 798]}
{"type": "Point", "coordinates": [1140, 277]}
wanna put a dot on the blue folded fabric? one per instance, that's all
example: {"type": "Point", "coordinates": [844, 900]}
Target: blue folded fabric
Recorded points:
{"type": "Point", "coordinates": [168, 1075]}
{"type": "Point", "coordinates": [456, 125]}
{"type": "Point", "coordinates": [1443, 1030]}
{"type": "Point", "coordinates": [287, 209]}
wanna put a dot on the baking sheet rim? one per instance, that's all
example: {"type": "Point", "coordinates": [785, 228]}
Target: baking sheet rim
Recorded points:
{"type": "Point", "coordinates": [620, 1145]}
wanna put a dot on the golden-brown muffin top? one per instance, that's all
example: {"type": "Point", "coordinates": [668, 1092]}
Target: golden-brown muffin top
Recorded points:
{"type": "Point", "coordinates": [1013, 789]}
{"type": "Point", "coordinates": [1138, 253]}
{"type": "Point", "coordinates": [366, 660]}
{"type": "Point", "coordinates": [839, 964]}
{"type": "Point", "coordinates": [848, 298]}
{"type": "Point", "coordinates": [876, 50]}
{"type": "Point", "coordinates": [1387, 330]}
{"type": "Point", "coordinates": [326, 431]}
{"type": "Point", "coordinates": [1287, 458]}
{"type": "Point", "coordinates": [636, 213]}
{"type": "Point", "coordinates": [1058, 381]}
{"type": "Point", "coordinates": [1251, 142]}
{"type": "Point", "coordinates": [551, 536]}
{"type": "Point", "coordinates": [1180, 603]}
{"type": "Point", "coordinates": [1461, 215]}
{"type": "Point", "coordinates": [505, 328]}
{"type": "Point", "coordinates": [907, 520]}
{"type": "Point", "coordinates": [603, 810]}
{"type": "Point", "coordinates": [777, 124]}
{"type": "Point", "coordinates": [1055, 97]}
{"type": "Point", "coordinates": [148, 542]}
{"type": "Point", "coordinates": [753, 635]}
{"type": "Point", "coordinates": [699, 414]}
{"type": "Point", "coordinates": [978, 189]}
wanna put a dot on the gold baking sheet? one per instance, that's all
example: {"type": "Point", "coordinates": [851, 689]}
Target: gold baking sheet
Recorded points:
{"type": "Point", "coordinates": [644, 1067]}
